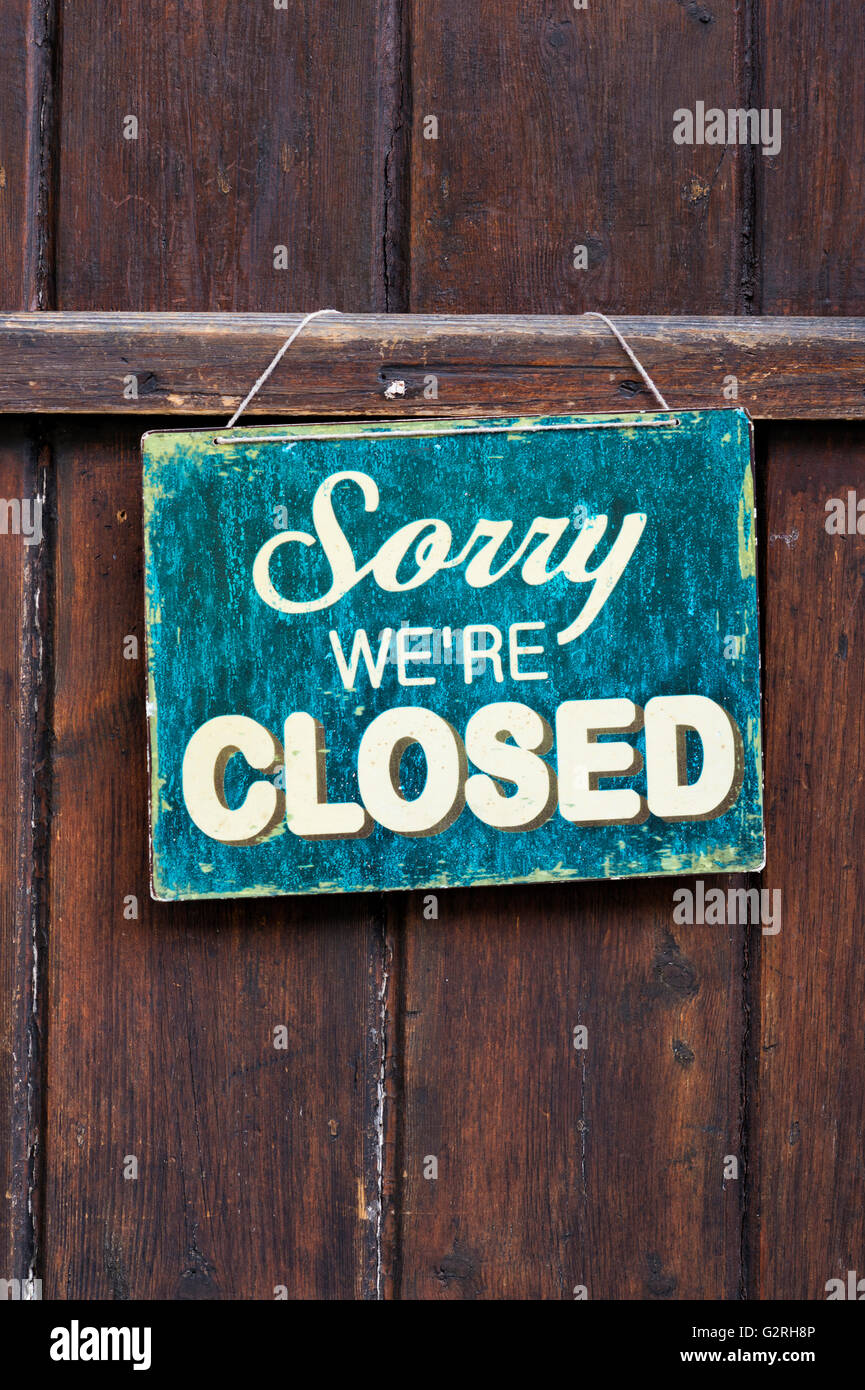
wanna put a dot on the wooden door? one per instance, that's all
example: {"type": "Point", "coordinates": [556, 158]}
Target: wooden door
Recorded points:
{"type": "Point", "coordinates": [396, 157]}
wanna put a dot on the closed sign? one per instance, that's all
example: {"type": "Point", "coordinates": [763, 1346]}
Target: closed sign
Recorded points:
{"type": "Point", "coordinates": [425, 654]}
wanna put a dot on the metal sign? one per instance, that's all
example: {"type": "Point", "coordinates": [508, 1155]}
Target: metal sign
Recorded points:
{"type": "Point", "coordinates": [430, 653]}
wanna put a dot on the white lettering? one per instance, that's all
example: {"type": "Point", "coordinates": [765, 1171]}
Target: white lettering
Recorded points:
{"type": "Point", "coordinates": [426, 543]}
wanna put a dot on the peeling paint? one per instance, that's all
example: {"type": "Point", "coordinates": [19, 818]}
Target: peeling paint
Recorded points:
{"type": "Point", "coordinates": [214, 648]}
{"type": "Point", "coordinates": [747, 530]}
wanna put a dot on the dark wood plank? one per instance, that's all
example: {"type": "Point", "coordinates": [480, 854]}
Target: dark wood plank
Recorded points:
{"type": "Point", "coordinates": [257, 1167]}
{"type": "Point", "coordinates": [23, 802]}
{"type": "Point", "coordinates": [808, 1216]}
{"type": "Point", "coordinates": [15, 131]}
{"type": "Point", "coordinates": [790, 368]}
{"type": "Point", "coordinates": [257, 127]}
{"type": "Point", "coordinates": [27, 116]}
{"type": "Point", "coordinates": [559, 1167]}
{"type": "Point", "coordinates": [27, 113]}
{"type": "Point", "coordinates": [409, 1037]}
{"type": "Point", "coordinates": [812, 194]}
{"type": "Point", "coordinates": [555, 129]}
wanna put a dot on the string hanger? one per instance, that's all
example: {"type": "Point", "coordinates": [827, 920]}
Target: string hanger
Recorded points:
{"type": "Point", "coordinates": [593, 314]}
{"type": "Point", "coordinates": [307, 318]}
{"type": "Point", "coordinates": [317, 313]}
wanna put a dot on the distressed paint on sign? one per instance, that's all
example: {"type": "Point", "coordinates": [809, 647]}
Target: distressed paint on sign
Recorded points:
{"type": "Point", "coordinates": [216, 648]}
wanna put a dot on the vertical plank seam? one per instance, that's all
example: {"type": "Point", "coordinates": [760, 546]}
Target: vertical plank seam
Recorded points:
{"type": "Point", "coordinates": [43, 105]}
{"type": "Point", "coordinates": [35, 695]}
{"type": "Point", "coordinates": [371, 1061]}
{"type": "Point", "coordinates": [392, 1126]}
{"type": "Point", "coordinates": [35, 698]}
{"type": "Point", "coordinates": [393, 239]}
{"type": "Point", "coordinates": [392, 294]}
{"type": "Point", "coordinates": [748, 288]}
{"type": "Point", "coordinates": [748, 300]}
{"type": "Point", "coordinates": [382, 1187]}
{"type": "Point", "coordinates": [381, 1081]}
{"type": "Point", "coordinates": [744, 1117]}
{"type": "Point", "coordinates": [751, 965]}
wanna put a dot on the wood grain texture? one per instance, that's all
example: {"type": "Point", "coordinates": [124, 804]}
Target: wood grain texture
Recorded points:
{"type": "Point", "coordinates": [27, 130]}
{"type": "Point", "coordinates": [257, 1166]}
{"type": "Point", "coordinates": [560, 1167]}
{"type": "Point", "coordinates": [808, 1221]}
{"type": "Point", "coordinates": [23, 808]}
{"type": "Point", "coordinates": [15, 180]}
{"type": "Point", "coordinates": [257, 128]}
{"type": "Point", "coordinates": [410, 1037]}
{"type": "Point", "coordinates": [555, 129]}
{"type": "Point", "coordinates": [27, 152]}
{"type": "Point", "coordinates": [812, 194]}
{"type": "Point", "coordinates": [187, 363]}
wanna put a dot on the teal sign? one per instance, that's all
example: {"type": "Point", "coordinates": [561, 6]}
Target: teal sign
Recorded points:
{"type": "Point", "coordinates": [429, 653]}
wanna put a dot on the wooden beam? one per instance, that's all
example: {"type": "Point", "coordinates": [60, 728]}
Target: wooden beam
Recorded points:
{"type": "Point", "coordinates": [203, 364]}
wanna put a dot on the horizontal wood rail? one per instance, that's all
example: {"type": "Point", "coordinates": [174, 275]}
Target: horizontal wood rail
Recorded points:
{"type": "Point", "coordinates": [203, 364]}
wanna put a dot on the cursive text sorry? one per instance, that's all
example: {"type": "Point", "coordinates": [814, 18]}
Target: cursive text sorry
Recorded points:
{"type": "Point", "coordinates": [429, 540]}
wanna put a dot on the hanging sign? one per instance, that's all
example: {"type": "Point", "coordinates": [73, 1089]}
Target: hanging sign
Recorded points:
{"type": "Point", "coordinates": [429, 653]}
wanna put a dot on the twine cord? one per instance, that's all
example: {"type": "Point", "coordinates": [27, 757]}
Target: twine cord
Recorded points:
{"type": "Point", "coordinates": [592, 314]}
{"type": "Point", "coordinates": [316, 313]}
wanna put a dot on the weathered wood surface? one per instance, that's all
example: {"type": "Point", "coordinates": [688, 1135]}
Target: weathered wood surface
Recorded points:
{"type": "Point", "coordinates": [24, 711]}
{"type": "Point", "coordinates": [812, 194]}
{"type": "Point", "coordinates": [26, 250]}
{"type": "Point", "coordinates": [560, 1167]}
{"type": "Point", "coordinates": [257, 1165]}
{"type": "Point", "coordinates": [205, 363]}
{"type": "Point", "coordinates": [807, 1119]}
{"type": "Point", "coordinates": [258, 128]}
{"type": "Point", "coordinates": [553, 131]}
{"type": "Point", "coordinates": [807, 1089]}
{"type": "Point", "coordinates": [27, 150]}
